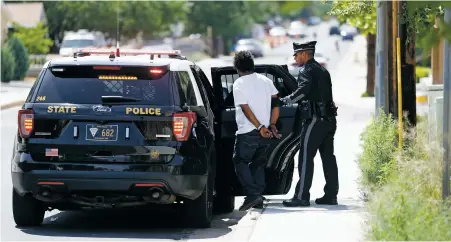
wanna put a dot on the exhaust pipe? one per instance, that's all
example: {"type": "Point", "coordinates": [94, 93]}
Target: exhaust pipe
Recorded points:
{"type": "Point", "coordinates": [45, 191]}
{"type": "Point", "coordinates": [155, 194]}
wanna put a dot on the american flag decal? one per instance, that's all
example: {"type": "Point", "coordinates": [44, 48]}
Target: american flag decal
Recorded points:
{"type": "Point", "coordinates": [51, 152]}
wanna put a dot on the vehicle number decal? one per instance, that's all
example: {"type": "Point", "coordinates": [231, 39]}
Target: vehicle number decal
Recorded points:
{"type": "Point", "coordinates": [143, 111]}
{"type": "Point", "coordinates": [40, 98]}
{"type": "Point", "coordinates": [61, 109]}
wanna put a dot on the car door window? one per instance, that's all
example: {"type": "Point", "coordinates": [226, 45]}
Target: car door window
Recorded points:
{"type": "Point", "coordinates": [206, 84]}
{"type": "Point", "coordinates": [227, 81]}
{"type": "Point", "coordinates": [186, 89]}
{"type": "Point", "coordinates": [201, 88]}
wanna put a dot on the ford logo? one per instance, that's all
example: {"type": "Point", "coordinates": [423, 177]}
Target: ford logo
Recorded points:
{"type": "Point", "coordinates": [102, 109]}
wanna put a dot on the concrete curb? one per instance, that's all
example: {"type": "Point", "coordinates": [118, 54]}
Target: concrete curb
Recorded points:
{"type": "Point", "coordinates": [11, 104]}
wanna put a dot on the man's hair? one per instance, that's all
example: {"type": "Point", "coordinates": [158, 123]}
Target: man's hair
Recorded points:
{"type": "Point", "coordinates": [310, 53]}
{"type": "Point", "coordinates": [243, 61]}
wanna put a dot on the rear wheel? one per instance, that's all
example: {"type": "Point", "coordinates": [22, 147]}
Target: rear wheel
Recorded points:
{"type": "Point", "coordinates": [224, 204]}
{"type": "Point", "coordinates": [27, 211]}
{"type": "Point", "coordinates": [199, 212]}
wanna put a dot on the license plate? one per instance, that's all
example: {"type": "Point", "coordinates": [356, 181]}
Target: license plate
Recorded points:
{"type": "Point", "coordinates": [101, 132]}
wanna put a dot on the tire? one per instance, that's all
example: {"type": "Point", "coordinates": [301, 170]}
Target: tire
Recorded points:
{"type": "Point", "coordinates": [224, 204]}
{"type": "Point", "coordinates": [199, 212]}
{"type": "Point", "coordinates": [27, 211]}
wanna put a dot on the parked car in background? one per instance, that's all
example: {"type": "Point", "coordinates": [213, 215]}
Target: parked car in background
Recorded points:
{"type": "Point", "coordinates": [297, 30]}
{"type": "Point", "coordinates": [348, 32]}
{"type": "Point", "coordinates": [314, 20]}
{"type": "Point", "coordinates": [278, 31]}
{"type": "Point", "coordinates": [334, 30]}
{"type": "Point", "coordinates": [81, 39]}
{"type": "Point", "coordinates": [294, 68]}
{"type": "Point", "coordinates": [252, 45]}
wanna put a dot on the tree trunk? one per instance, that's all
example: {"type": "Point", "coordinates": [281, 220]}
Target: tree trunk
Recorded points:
{"type": "Point", "coordinates": [371, 64]}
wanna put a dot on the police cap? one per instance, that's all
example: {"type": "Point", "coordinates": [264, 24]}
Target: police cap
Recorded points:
{"type": "Point", "coordinates": [297, 47]}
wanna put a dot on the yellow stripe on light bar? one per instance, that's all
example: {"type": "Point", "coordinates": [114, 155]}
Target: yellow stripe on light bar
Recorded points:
{"type": "Point", "coordinates": [118, 78]}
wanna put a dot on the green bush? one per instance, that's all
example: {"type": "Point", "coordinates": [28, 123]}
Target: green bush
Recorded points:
{"type": "Point", "coordinates": [8, 65]}
{"type": "Point", "coordinates": [422, 71]}
{"type": "Point", "coordinates": [409, 206]}
{"type": "Point", "coordinates": [377, 161]}
{"type": "Point", "coordinates": [34, 39]}
{"type": "Point", "coordinates": [20, 56]}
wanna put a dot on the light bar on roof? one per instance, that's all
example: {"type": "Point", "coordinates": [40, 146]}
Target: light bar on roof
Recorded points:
{"type": "Point", "coordinates": [130, 52]}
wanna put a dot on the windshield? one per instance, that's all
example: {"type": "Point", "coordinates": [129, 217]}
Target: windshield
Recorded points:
{"type": "Point", "coordinates": [75, 43]}
{"type": "Point", "coordinates": [83, 85]}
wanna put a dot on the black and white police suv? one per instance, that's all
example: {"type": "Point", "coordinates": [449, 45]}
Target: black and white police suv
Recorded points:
{"type": "Point", "coordinates": [113, 130]}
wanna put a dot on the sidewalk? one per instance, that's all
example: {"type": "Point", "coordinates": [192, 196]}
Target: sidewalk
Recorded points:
{"type": "Point", "coordinates": [14, 93]}
{"type": "Point", "coordinates": [344, 222]}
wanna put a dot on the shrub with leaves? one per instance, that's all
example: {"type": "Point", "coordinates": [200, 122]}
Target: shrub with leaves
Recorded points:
{"type": "Point", "coordinates": [34, 39]}
{"type": "Point", "coordinates": [377, 161]}
{"type": "Point", "coordinates": [8, 65]}
{"type": "Point", "coordinates": [20, 57]}
{"type": "Point", "coordinates": [409, 206]}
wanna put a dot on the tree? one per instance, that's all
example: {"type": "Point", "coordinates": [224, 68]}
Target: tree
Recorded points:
{"type": "Point", "coordinates": [20, 58]}
{"type": "Point", "coordinates": [362, 15]}
{"type": "Point", "coordinates": [34, 39]}
{"type": "Point", "coordinates": [227, 19]}
{"type": "Point", "coordinates": [148, 17]}
{"type": "Point", "coordinates": [419, 18]}
{"type": "Point", "coordinates": [8, 65]}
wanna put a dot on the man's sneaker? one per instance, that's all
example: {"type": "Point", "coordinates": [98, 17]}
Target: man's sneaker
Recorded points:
{"type": "Point", "coordinates": [250, 201]}
{"type": "Point", "coordinates": [259, 205]}
{"type": "Point", "coordinates": [294, 202]}
{"type": "Point", "coordinates": [326, 201]}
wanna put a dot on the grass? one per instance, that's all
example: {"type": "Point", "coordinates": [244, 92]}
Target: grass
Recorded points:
{"type": "Point", "coordinates": [421, 71]}
{"type": "Point", "coordinates": [405, 196]}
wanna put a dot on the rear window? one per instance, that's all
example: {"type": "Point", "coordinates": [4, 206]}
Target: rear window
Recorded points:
{"type": "Point", "coordinates": [87, 84]}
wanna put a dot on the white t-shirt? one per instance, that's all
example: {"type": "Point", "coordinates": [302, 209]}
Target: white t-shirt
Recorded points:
{"type": "Point", "coordinates": [256, 91]}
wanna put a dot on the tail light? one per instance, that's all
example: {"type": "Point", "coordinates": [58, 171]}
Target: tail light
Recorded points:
{"type": "Point", "coordinates": [182, 125]}
{"type": "Point", "coordinates": [25, 122]}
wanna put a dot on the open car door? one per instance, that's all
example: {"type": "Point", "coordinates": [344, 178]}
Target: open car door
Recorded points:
{"type": "Point", "coordinates": [280, 166]}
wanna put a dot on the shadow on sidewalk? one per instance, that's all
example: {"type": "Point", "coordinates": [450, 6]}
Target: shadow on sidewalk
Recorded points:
{"type": "Point", "coordinates": [135, 224]}
{"type": "Point", "coordinates": [275, 206]}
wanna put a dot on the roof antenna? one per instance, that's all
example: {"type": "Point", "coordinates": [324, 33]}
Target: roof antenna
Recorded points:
{"type": "Point", "coordinates": [118, 31]}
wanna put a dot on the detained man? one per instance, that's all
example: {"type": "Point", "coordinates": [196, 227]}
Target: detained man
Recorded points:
{"type": "Point", "coordinates": [257, 110]}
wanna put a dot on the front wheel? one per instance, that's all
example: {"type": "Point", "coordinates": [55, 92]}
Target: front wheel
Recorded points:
{"type": "Point", "coordinates": [27, 211]}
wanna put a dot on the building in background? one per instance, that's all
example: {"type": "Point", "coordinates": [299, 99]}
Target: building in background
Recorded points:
{"type": "Point", "coordinates": [26, 14]}
{"type": "Point", "coordinates": [6, 16]}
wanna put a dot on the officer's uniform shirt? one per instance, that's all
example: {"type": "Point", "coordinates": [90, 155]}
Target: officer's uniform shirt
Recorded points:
{"type": "Point", "coordinates": [256, 91]}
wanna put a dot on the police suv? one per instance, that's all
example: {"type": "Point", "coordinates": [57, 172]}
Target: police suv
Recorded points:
{"type": "Point", "coordinates": [129, 129]}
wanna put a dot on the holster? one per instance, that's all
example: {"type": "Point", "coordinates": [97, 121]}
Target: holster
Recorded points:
{"type": "Point", "coordinates": [325, 110]}
{"type": "Point", "coordinates": [305, 110]}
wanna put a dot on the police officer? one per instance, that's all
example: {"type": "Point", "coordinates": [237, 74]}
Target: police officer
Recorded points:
{"type": "Point", "coordinates": [317, 114]}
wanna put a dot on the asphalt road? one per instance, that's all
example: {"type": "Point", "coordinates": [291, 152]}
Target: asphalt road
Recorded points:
{"type": "Point", "coordinates": [154, 226]}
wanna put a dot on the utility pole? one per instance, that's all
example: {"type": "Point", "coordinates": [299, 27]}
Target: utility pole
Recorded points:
{"type": "Point", "coordinates": [446, 111]}
{"type": "Point", "coordinates": [408, 63]}
{"type": "Point", "coordinates": [381, 57]}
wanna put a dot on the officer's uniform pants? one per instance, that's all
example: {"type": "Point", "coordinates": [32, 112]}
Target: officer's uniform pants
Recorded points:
{"type": "Point", "coordinates": [317, 134]}
{"type": "Point", "coordinates": [250, 158]}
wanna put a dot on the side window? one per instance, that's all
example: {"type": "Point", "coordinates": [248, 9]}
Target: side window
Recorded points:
{"type": "Point", "coordinates": [227, 85]}
{"type": "Point", "coordinates": [228, 80]}
{"type": "Point", "coordinates": [203, 95]}
{"type": "Point", "coordinates": [186, 90]}
{"type": "Point", "coordinates": [33, 88]}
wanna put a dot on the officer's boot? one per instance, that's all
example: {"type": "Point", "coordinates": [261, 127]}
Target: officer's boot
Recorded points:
{"type": "Point", "coordinates": [295, 202]}
{"type": "Point", "coordinates": [326, 200]}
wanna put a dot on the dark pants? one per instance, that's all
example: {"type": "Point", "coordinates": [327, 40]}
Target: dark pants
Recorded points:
{"type": "Point", "coordinates": [250, 159]}
{"type": "Point", "coordinates": [317, 134]}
